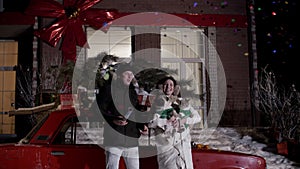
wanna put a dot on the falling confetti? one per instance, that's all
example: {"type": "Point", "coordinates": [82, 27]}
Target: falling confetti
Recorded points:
{"type": "Point", "coordinates": [276, 38]}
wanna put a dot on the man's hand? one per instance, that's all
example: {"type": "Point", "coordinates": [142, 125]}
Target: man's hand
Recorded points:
{"type": "Point", "coordinates": [145, 130]}
{"type": "Point", "coordinates": [121, 121]}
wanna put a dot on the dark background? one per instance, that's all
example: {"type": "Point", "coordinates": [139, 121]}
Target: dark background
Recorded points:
{"type": "Point", "coordinates": [277, 41]}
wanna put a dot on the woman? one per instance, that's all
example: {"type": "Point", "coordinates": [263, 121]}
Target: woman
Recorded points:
{"type": "Point", "coordinates": [172, 123]}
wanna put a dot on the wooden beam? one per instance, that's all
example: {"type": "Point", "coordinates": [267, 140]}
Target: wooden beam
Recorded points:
{"type": "Point", "coordinates": [32, 110]}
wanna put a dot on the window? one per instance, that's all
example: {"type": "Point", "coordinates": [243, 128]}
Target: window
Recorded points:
{"type": "Point", "coordinates": [116, 41]}
{"type": "Point", "coordinates": [183, 49]}
{"type": "Point", "coordinates": [76, 132]}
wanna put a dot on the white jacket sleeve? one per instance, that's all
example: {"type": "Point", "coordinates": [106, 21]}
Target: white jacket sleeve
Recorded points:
{"type": "Point", "coordinates": [194, 117]}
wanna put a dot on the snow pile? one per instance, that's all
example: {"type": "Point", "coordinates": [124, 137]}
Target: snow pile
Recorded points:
{"type": "Point", "coordinates": [230, 139]}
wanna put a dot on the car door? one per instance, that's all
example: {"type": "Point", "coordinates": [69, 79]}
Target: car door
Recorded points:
{"type": "Point", "coordinates": [72, 148]}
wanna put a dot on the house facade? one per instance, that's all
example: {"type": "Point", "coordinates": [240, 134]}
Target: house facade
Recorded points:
{"type": "Point", "coordinates": [207, 43]}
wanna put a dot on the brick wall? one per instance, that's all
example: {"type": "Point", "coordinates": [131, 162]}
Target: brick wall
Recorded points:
{"type": "Point", "coordinates": [233, 48]}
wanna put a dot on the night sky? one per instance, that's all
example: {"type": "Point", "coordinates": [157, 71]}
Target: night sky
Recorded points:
{"type": "Point", "coordinates": [276, 39]}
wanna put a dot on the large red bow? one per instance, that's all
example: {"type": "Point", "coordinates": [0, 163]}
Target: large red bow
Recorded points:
{"type": "Point", "coordinates": [71, 16]}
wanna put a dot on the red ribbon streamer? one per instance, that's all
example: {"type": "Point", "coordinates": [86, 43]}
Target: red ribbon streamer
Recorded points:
{"type": "Point", "coordinates": [71, 16]}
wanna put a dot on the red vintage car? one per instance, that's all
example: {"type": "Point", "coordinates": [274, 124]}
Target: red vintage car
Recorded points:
{"type": "Point", "coordinates": [54, 143]}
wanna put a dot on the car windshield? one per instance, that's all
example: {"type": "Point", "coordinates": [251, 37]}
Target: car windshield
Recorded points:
{"type": "Point", "coordinates": [26, 139]}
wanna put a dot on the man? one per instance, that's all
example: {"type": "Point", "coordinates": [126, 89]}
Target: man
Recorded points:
{"type": "Point", "coordinates": [118, 104]}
